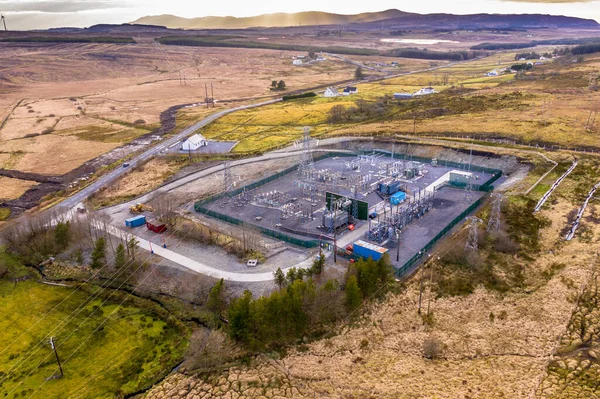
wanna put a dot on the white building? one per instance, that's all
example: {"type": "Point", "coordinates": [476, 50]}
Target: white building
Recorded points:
{"type": "Point", "coordinates": [297, 62]}
{"type": "Point", "coordinates": [331, 92]}
{"type": "Point", "coordinates": [492, 73]}
{"type": "Point", "coordinates": [194, 142]}
{"type": "Point", "coordinates": [350, 90]}
{"type": "Point", "coordinates": [425, 91]}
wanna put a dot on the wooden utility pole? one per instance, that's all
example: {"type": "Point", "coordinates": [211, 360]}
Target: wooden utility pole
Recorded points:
{"type": "Point", "coordinates": [53, 345]}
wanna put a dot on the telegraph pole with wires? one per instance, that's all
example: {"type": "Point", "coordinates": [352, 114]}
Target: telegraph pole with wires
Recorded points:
{"type": "Point", "coordinates": [53, 346]}
{"type": "Point", "coordinates": [472, 244]}
{"type": "Point", "coordinates": [494, 220]}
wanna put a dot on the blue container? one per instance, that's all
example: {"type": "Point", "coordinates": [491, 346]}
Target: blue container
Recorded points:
{"type": "Point", "coordinates": [397, 198]}
{"type": "Point", "coordinates": [136, 221]}
{"type": "Point", "coordinates": [389, 189]}
{"type": "Point", "coordinates": [367, 250]}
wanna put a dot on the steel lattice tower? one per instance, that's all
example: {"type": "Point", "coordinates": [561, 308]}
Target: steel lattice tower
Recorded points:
{"type": "Point", "coordinates": [227, 178]}
{"type": "Point", "coordinates": [494, 221]}
{"type": "Point", "coordinates": [306, 162]}
{"type": "Point", "coordinates": [473, 238]}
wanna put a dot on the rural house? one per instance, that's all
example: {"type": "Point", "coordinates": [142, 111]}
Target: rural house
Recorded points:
{"type": "Point", "coordinates": [297, 62]}
{"type": "Point", "coordinates": [402, 96]}
{"type": "Point", "coordinates": [425, 91]}
{"type": "Point", "coordinates": [331, 92]}
{"type": "Point", "coordinates": [350, 90]}
{"type": "Point", "coordinates": [194, 142]}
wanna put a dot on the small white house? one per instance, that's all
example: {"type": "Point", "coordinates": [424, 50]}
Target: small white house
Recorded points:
{"type": "Point", "coordinates": [297, 62]}
{"type": "Point", "coordinates": [492, 73]}
{"type": "Point", "coordinates": [350, 90]}
{"type": "Point", "coordinates": [194, 142]}
{"type": "Point", "coordinates": [425, 91]}
{"type": "Point", "coordinates": [331, 92]}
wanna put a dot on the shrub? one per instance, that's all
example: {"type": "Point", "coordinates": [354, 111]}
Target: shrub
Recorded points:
{"type": "Point", "coordinates": [432, 348]}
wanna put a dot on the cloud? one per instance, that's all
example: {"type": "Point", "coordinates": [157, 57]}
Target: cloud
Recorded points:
{"type": "Point", "coordinates": [64, 6]}
{"type": "Point", "coordinates": [549, 1]}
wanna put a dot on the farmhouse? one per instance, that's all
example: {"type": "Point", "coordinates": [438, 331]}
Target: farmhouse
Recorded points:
{"type": "Point", "coordinates": [297, 62]}
{"type": "Point", "coordinates": [194, 142]}
{"type": "Point", "coordinates": [402, 96]}
{"type": "Point", "coordinates": [331, 92]}
{"type": "Point", "coordinates": [492, 73]}
{"type": "Point", "coordinates": [425, 91]}
{"type": "Point", "coordinates": [350, 90]}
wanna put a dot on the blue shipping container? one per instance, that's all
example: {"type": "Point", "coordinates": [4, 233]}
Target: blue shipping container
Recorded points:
{"type": "Point", "coordinates": [367, 250]}
{"type": "Point", "coordinates": [135, 221]}
{"type": "Point", "coordinates": [398, 198]}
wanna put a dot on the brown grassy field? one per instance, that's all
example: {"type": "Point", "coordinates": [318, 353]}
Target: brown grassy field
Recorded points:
{"type": "Point", "coordinates": [65, 104]}
{"type": "Point", "coordinates": [491, 343]}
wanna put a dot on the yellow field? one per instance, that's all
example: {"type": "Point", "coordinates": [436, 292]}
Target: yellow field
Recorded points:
{"type": "Point", "coordinates": [554, 108]}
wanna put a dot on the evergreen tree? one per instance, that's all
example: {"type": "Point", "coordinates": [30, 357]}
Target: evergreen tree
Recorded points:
{"type": "Point", "coordinates": [239, 317]}
{"type": "Point", "coordinates": [98, 255]}
{"type": "Point", "coordinates": [358, 73]}
{"type": "Point", "coordinates": [216, 299]}
{"type": "Point", "coordinates": [281, 85]}
{"type": "Point", "coordinates": [62, 234]}
{"type": "Point", "coordinates": [132, 244]}
{"type": "Point", "coordinates": [279, 277]}
{"type": "Point", "coordinates": [120, 259]}
{"type": "Point", "coordinates": [353, 295]}
{"type": "Point", "coordinates": [319, 262]}
{"type": "Point", "coordinates": [292, 275]}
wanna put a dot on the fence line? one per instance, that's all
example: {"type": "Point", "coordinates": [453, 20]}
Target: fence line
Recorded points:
{"type": "Point", "coordinates": [402, 271]}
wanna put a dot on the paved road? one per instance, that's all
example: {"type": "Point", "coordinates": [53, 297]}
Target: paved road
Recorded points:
{"type": "Point", "coordinates": [197, 265]}
{"type": "Point", "coordinates": [113, 175]}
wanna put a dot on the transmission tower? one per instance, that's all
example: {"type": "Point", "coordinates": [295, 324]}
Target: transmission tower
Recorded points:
{"type": "Point", "coordinates": [306, 162]}
{"type": "Point", "coordinates": [3, 20]}
{"type": "Point", "coordinates": [227, 179]}
{"type": "Point", "coordinates": [494, 221]}
{"type": "Point", "coordinates": [472, 240]}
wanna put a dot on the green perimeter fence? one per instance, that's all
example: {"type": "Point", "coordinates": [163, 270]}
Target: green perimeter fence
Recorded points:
{"type": "Point", "coordinates": [408, 267]}
{"type": "Point", "coordinates": [402, 271]}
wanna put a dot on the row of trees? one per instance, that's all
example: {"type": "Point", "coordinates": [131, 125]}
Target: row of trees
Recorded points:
{"type": "Point", "coordinates": [302, 307]}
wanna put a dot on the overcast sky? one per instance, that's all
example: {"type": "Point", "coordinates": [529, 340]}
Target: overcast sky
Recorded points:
{"type": "Point", "coordinates": [41, 14]}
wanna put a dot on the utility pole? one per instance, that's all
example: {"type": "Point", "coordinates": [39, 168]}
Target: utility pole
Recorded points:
{"type": "Point", "coordinates": [431, 285]}
{"type": "Point", "coordinates": [421, 285]}
{"type": "Point", "coordinates": [398, 231]}
{"type": "Point", "coordinates": [52, 344]}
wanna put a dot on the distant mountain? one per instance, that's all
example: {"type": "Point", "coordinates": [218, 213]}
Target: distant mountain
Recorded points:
{"type": "Point", "coordinates": [390, 19]}
{"type": "Point", "coordinates": [269, 20]}
{"type": "Point", "coordinates": [474, 21]}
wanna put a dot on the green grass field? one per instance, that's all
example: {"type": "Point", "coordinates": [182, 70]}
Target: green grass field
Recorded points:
{"type": "Point", "coordinates": [107, 350]}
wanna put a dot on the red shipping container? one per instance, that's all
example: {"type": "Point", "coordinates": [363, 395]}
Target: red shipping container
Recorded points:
{"type": "Point", "coordinates": [156, 226]}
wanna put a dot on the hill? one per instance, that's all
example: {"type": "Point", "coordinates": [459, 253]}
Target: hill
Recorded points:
{"type": "Point", "coordinates": [270, 20]}
{"type": "Point", "coordinates": [391, 18]}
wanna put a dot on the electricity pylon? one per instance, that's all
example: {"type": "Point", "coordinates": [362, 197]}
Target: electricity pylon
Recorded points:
{"type": "Point", "coordinates": [306, 162]}
{"type": "Point", "coordinates": [227, 179]}
{"type": "Point", "coordinates": [494, 220]}
{"type": "Point", "coordinates": [473, 239]}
